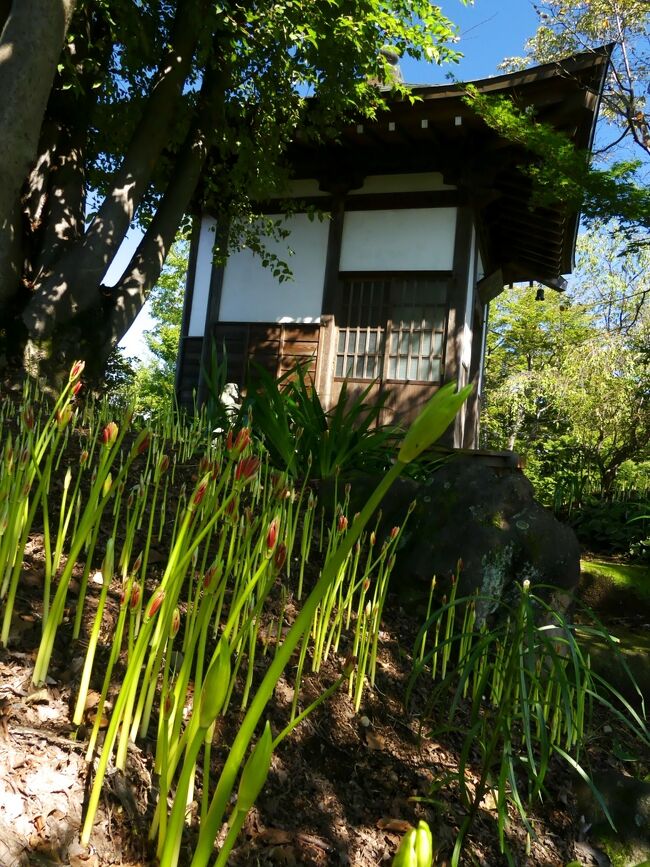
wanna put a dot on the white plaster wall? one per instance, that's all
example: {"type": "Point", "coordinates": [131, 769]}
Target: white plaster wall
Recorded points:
{"type": "Point", "coordinates": [418, 239]}
{"type": "Point", "coordinates": [202, 275]}
{"type": "Point", "coordinates": [251, 293]}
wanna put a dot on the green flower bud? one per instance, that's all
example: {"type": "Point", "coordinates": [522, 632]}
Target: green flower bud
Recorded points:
{"type": "Point", "coordinates": [215, 685]}
{"type": "Point", "coordinates": [416, 848]}
{"type": "Point", "coordinates": [255, 771]}
{"type": "Point", "coordinates": [405, 856]}
{"type": "Point", "coordinates": [423, 845]}
{"type": "Point", "coordinates": [433, 421]}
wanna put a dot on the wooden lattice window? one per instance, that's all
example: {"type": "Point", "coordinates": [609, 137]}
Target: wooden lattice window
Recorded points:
{"type": "Point", "coordinates": [392, 328]}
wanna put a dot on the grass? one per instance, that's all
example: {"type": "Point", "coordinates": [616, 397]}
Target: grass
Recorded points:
{"type": "Point", "coordinates": [635, 579]}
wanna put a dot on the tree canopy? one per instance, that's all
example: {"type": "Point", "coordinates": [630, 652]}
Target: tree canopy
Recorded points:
{"type": "Point", "coordinates": [143, 100]}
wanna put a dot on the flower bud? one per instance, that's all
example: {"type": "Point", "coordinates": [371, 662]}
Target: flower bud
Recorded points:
{"type": "Point", "coordinates": [142, 442]}
{"type": "Point", "coordinates": [255, 771]}
{"type": "Point", "coordinates": [175, 624]}
{"type": "Point", "coordinates": [433, 421]}
{"type": "Point", "coordinates": [154, 604]}
{"type": "Point", "coordinates": [76, 388]}
{"type": "Point", "coordinates": [246, 469]}
{"type": "Point", "coordinates": [63, 416]}
{"type": "Point", "coordinates": [28, 416]}
{"type": "Point", "coordinates": [272, 534]}
{"type": "Point", "coordinates": [200, 491]}
{"type": "Point", "coordinates": [215, 685]}
{"type": "Point", "coordinates": [83, 457]}
{"type": "Point", "coordinates": [342, 523]}
{"type": "Point", "coordinates": [394, 532]}
{"type": "Point", "coordinates": [76, 370]}
{"type": "Point", "coordinates": [109, 434]}
{"type": "Point", "coordinates": [136, 591]}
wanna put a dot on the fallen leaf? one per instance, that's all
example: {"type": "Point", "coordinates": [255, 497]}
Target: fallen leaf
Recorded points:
{"type": "Point", "coordinates": [399, 826]}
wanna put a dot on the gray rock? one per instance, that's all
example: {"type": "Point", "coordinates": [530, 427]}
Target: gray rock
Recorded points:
{"type": "Point", "coordinates": [484, 516]}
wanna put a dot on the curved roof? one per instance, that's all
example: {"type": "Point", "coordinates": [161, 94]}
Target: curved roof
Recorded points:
{"type": "Point", "coordinates": [440, 132]}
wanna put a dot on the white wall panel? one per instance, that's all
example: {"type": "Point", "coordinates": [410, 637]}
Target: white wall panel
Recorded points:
{"type": "Point", "coordinates": [418, 239]}
{"type": "Point", "coordinates": [202, 277]}
{"type": "Point", "coordinates": [251, 293]}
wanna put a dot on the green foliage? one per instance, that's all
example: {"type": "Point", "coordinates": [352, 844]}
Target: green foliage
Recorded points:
{"type": "Point", "coordinates": [306, 440]}
{"type": "Point", "coordinates": [519, 693]}
{"type": "Point", "coordinates": [152, 388]}
{"type": "Point", "coordinates": [561, 173]}
{"type": "Point", "coordinates": [570, 26]}
{"type": "Point", "coordinates": [567, 384]}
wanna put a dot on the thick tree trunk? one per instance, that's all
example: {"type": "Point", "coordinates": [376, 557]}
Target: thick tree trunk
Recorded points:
{"type": "Point", "coordinates": [143, 271]}
{"type": "Point", "coordinates": [72, 286]}
{"type": "Point", "coordinates": [26, 76]}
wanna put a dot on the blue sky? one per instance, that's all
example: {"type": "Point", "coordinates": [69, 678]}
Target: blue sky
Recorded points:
{"type": "Point", "coordinates": [489, 31]}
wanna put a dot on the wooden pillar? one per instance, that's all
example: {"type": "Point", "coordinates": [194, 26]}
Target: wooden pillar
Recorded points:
{"type": "Point", "coordinates": [325, 360]}
{"type": "Point", "coordinates": [456, 314]}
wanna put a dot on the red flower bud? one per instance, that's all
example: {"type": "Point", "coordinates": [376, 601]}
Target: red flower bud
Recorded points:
{"type": "Point", "coordinates": [394, 532]}
{"type": "Point", "coordinates": [135, 595]}
{"type": "Point", "coordinates": [76, 370]}
{"type": "Point", "coordinates": [272, 534]}
{"type": "Point", "coordinates": [109, 434]}
{"type": "Point", "coordinates": [200, 491]}
{"type": "Point", "coordinates": [342, 523]}
{"type": "Point", "coordinates": [163, 464]}
{"type": "Point", "coordinates": [240, 442]}
{"type": "Point", "coordinates": [246, 469]}
{"type": "Point", "coordinates": [76, 388]}
{"type": "Point", "coordinates": [63, 416]}
{"type": "Point", "coordinates": [142, 442]}
{"type": "Point", "coordinates": [136, 566]}
{"type": "Point", "coordinates": [83, 457]}
{"type": "Point", "coordinates": [154, 603]}
{"type": "Point", "coordinates": [176, 623]}
{"type": "Point", "coordinates": [28, 416]}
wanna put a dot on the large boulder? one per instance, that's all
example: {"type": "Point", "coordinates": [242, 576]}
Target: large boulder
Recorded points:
{"type": "Point", "coordinates": [485, 516]}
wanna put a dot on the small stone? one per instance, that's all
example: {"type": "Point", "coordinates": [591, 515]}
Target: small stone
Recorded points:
{"type": "Point", "coordinates": [365, 722]}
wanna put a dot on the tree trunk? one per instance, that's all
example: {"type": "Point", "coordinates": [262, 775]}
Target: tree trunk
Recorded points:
{"type": "Point", "coordinates": [72, 286]}
{"type": "Point", "coordinates": [26, 77]}
{"type": "Point", "coordinates": [143, 271]}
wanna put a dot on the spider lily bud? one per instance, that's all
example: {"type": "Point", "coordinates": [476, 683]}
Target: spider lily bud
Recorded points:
{"type": "Point", "coordinates": [76, 370]}
{"type": "Point", "coordinates": [154, 604]}
{"type": "Point", "coordinates": [255, 771]}
{"type": "Point", "coordinates": [108, 483]}
{"type": "Point", "coordinates": [142, 442]}
{"type": "Point", "coordinates": [63, 416]}
{"type": "Point", "coordinates": [433, 421]}
{"type": "Point", "coordinates": [163, 465]}
{"type": "Point", "coordinates": [342, 523]}
{"type": "Point", "coordinates": [416, 848]}
{"type": "Point", "coordinates": [241, 440]}
{"type": "Point", "coordinates": [272, 534]}
{"type": "Point", "coordinates": [246, 469]}
{"type": "Point", "coordinates": [200, 491]}
{"type": "Point", "coordinates": [109, 434]}
{"type": "Point", "coordinates": [215, 686]}
{"type": "Point", "coordinates": [135, 595]}
{"type": "Point", "coordinates": [175, 624]}
{"type": "Point", "coordinates": [28, 416]}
